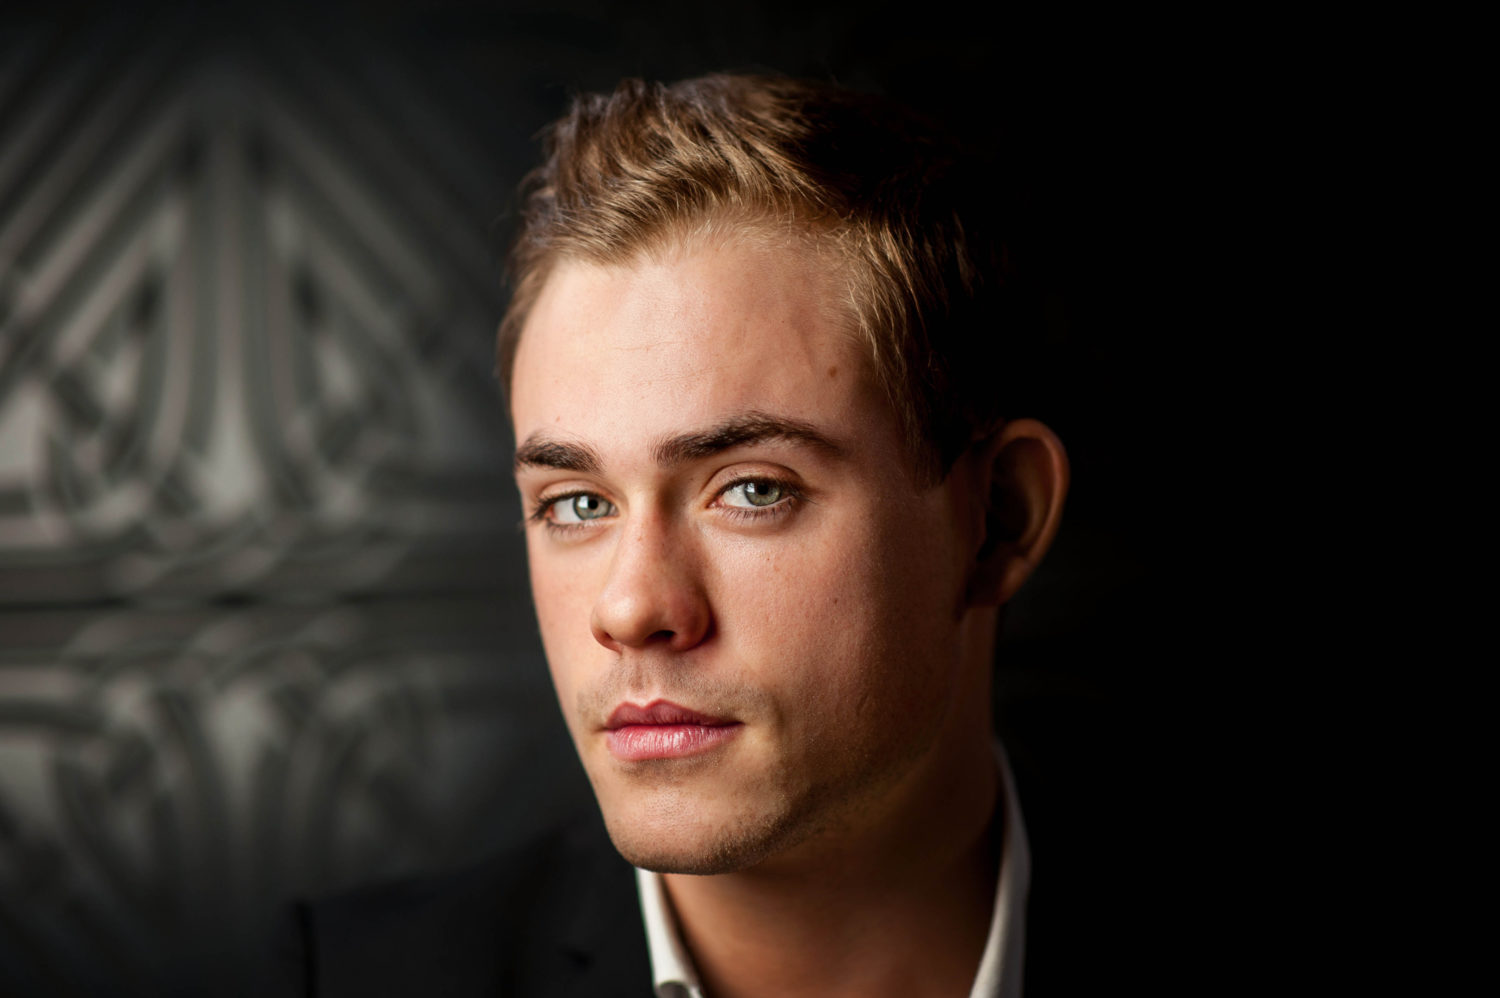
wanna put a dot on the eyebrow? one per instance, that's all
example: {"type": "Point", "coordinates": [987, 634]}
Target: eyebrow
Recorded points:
{"type": "Point", "coordinates": [738, 431]}
{"type": "Point", "coordinates": [540, 451]}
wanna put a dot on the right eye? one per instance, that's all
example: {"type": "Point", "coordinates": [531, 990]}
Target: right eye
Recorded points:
{"type": "Point", "coordinates": [579, 508]}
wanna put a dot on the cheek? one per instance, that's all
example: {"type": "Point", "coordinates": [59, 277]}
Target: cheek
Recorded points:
{"type": "Point", "coordinates": [866, 625]}
{"type": "Point", "coordinates": [827, 626]}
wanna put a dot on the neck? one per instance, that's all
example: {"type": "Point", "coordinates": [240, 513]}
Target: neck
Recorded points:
{"type": "Point", "coordinates": [900, 905]}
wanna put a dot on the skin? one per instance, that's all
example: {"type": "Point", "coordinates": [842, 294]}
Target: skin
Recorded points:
{"type": "Point", "coordinates": [838, 839]}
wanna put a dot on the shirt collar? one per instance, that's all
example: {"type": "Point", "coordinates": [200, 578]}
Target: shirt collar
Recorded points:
{"type": "Point", "coordinates": [671, 967]}
{"type": "Point", "coordinates": [1000, 967]}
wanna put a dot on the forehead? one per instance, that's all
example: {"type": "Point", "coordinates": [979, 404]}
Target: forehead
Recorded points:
{"type": "Point", "coordinates": [688, 336]}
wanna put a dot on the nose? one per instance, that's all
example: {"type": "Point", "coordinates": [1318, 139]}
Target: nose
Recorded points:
{"type": "Point", "coordinates": [654, 592]}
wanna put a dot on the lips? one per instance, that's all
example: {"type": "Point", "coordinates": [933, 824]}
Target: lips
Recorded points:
{"type": "Point", "coordinates": [664, 730]}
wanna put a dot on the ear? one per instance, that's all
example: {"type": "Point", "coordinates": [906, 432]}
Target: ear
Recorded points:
{"type": "Point", "coordinates": [1023, 470]}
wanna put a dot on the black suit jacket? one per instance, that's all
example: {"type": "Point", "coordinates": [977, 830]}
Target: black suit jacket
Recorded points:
{"type": "Point", "coordinates": [555, 916]}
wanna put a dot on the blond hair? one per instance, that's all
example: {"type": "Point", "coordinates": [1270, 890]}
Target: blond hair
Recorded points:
{"type": "Point", "coordinates": [631, 171]}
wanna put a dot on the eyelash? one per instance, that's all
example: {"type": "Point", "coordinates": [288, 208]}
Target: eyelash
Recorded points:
{"type": "Point", "coordinates": [539, 515]}
{"type": "Point", "coordinates": [792, 496]}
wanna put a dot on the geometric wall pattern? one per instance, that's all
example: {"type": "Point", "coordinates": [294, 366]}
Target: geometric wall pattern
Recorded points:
{"type": "Point", "coordinates": [263, 619]}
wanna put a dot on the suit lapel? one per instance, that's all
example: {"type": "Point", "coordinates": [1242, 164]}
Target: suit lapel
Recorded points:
{"type": "Point", "coordinates": [603, 950]}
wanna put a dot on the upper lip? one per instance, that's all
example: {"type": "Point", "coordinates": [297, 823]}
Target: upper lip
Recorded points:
{"type": "Point", "coordinates": [660, 712]}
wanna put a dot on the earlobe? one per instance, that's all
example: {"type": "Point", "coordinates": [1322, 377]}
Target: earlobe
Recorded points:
{"type": "Point", "coordinates": [1024, 473]}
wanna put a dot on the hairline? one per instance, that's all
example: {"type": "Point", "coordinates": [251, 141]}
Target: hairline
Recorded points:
{"type": "Point", "coordinates": [715, 228]}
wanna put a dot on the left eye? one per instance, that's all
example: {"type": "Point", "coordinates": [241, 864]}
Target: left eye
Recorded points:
{"type": "Point", "coordinates": [579, 509]}
{"type": "Point", "coordinates": [754, 494]}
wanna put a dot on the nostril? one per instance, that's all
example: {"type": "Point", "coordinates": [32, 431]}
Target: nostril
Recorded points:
{"type": "Point", "coordinates": [662, 636]}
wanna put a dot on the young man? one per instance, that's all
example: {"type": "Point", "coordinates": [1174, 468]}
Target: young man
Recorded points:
{"type": "Point", "coordinates": [773, 512]}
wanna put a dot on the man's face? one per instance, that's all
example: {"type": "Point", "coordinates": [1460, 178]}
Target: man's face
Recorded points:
{"type": "Point", "coordinates": [749, 603]}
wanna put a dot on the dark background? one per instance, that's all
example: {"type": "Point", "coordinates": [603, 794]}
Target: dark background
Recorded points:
{"type": "Point", "coordinates": [264, 628]}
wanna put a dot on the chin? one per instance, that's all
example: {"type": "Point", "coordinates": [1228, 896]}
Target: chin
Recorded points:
{"type": "Point", "coordinates": [696, 861]}
{"type": "Point", "coordinates": [676, 837]}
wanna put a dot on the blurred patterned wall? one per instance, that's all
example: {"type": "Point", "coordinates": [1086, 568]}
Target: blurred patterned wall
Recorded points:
{"type": "Point", "coordinates": [263, 620]}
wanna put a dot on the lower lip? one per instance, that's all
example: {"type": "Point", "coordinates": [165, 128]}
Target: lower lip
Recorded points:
{"type": "Point", "coordinates": [636, 742]}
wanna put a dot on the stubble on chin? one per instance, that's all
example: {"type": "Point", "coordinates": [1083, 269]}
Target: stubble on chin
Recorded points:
{"type": "Point", "coordinates": [695, 824]}
{"type": "Point", "coordinates": [671, 833]}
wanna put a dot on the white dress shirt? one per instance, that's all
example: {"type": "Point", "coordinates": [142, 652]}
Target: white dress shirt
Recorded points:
{"type": "Point", "coordinates": [999, 973]}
